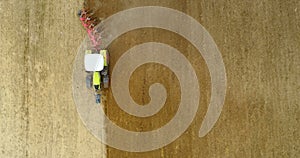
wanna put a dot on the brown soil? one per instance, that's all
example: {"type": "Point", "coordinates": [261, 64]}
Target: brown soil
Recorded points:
{"type": "Point", "coordinates": [259, 42]}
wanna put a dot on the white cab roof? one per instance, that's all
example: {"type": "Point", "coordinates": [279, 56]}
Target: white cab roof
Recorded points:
{"type": "Point", "coordinates": [93, 62]}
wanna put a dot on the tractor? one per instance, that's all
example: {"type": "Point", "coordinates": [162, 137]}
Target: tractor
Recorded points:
{"type": "Point", "coordinates": [96, 64]}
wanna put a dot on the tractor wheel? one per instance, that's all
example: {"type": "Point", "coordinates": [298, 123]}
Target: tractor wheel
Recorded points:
{"type": "Point", "coordinates": [106, 81]}
{"type": "Point", "coordinates": [88, 81]}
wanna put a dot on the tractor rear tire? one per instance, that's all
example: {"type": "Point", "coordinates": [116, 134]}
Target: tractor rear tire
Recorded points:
{"type": "Point", "coordinates": [88, 81]}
